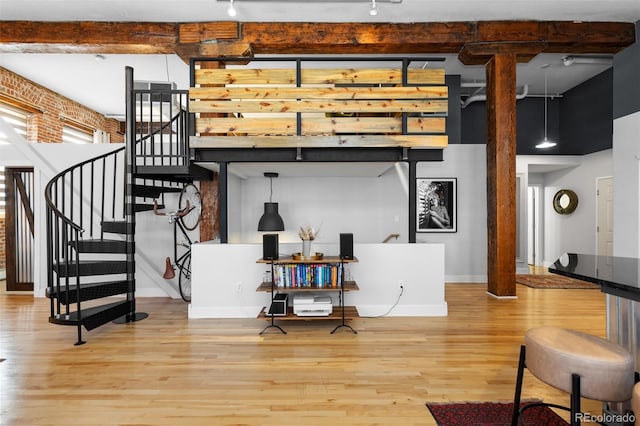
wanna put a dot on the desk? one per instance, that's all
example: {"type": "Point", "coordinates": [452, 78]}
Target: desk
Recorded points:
{"type": "Point", "coordinates": [619, 277]}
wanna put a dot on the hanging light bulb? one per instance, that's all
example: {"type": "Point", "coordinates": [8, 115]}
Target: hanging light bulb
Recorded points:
{"type": "Point", "coordinates": [232, 10]}
{"type": "Point", "coordinates": [373, 11]}
{"type": "Point", "coordinates": [545, 143]}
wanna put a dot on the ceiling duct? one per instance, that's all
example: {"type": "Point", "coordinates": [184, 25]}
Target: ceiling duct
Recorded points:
{"type": "Point", "coordinates": [569, 60]}
{"type": "Point", "coordinates": [475, 98]}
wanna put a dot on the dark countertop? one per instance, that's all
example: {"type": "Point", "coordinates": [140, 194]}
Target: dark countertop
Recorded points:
{"type": "Point", "coordinates": [616, 275]}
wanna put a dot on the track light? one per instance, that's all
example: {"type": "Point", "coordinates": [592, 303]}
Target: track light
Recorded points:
{"type": "Point", "coordinates": [373, 11]}
{"type": "Point", "coordinates": [232, 10]}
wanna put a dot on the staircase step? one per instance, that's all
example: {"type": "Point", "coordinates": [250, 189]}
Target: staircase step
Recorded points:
{"type": "Point", "coordinates": [88, 291]}
{"type": "Point", "coordinates": [95, 316]}
{"type": "Point", "coordinates": [117, 227]}
{"type": "Point", "coordinates": [146, 207]}
{"type": "Point", "coordinates": [92, 267]}
{"type": "Point", "coordinates": [100, 246]}
{"type": "Point", "coordinates": [174, 173]}
{"type": "Point", "coordinates": [153, 191]}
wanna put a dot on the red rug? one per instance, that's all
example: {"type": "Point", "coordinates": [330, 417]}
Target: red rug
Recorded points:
{"type": "Point", "coordinates": [553, 281]}
{"type": "Point", "coordinates": [490, 414]}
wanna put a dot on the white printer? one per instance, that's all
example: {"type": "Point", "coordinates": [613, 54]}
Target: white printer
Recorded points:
{"type": "Point", "coordinates": [311, 305]}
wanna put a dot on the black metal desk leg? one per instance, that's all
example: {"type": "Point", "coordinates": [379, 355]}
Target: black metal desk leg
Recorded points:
{"type": "Point", "coordinates": [273, 324]}
{"type": "Point", "coordinates": [343, 324]}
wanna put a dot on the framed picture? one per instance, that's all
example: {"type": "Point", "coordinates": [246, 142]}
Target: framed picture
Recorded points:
{"type": "Point", "coordinates": [436, 204]}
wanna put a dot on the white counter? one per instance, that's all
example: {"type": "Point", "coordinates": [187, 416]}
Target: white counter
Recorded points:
{"type": "Point", "coordinates": [225, 278]}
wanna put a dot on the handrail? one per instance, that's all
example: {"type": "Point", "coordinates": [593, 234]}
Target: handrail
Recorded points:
{"type": "Point", "coordinates": [389, 237]}
{"type": "Point", "coordinates": [54, 180]}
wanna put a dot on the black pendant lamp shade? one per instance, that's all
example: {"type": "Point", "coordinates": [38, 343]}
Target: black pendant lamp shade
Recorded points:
{"type": "Point", "coordinates": [271, 220]}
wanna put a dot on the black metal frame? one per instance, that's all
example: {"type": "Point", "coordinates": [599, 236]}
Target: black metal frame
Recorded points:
{"type": "Point", "coordinates": [342, 324]}
{"type": "Point", "coordinates": [574, 408]}
{"type": "Point", "coordinates": [272, 324]}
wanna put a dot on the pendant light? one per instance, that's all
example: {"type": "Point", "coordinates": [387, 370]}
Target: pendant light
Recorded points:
{"type": "Point", "coordinates": [271, 220]}
{"type": "Point", "coordinates": [545, 143]}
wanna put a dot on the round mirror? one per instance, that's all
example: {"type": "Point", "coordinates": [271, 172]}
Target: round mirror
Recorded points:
{"type": "Point", "coordinates": [565, 201]}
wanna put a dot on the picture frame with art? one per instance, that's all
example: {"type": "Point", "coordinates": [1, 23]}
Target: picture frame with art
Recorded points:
{"type": "Point", "coordinates": [436, 204]}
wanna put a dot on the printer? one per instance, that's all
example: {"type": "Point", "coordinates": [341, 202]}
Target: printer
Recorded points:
{"type": "Point", "coordinates": [311, 305]}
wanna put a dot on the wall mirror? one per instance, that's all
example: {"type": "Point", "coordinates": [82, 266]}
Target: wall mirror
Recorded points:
{"type": "Point", "coordinates": [565, 201]}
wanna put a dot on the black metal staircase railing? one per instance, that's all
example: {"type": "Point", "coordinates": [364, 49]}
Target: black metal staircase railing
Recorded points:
{"type": "Point", "coordinates": [90, 203]}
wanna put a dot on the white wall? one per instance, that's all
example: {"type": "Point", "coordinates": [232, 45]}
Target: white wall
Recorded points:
{"type": "Point", "coordinates": [369, 207]}
{"type": "Point", "coordinates": [465, 250]}
{"type": "Point", "coordinates": [626, 186]}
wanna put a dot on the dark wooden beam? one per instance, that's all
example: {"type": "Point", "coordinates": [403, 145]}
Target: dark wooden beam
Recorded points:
{"type": "Point", "coordinates": [501, 175]}
{"type": "Point", "coordinates": [309, 38]}
{"type": "Point", "coordinates": [87, 37]}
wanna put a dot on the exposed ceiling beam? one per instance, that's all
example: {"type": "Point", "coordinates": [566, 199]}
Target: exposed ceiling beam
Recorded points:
{"type": "Point", "coordinates": [311, 38]}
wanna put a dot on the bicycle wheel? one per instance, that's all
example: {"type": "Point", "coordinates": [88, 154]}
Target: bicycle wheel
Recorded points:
{"type": "Point", "coordinates": [184, 280]}
{"type": "Point", "coordinates": [190, 193]}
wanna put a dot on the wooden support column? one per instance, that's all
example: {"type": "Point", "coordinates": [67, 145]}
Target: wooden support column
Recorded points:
{"type": "Point", "coordinates": [210, 224]}
{"type": "Point", "coordinates": [501, 175]}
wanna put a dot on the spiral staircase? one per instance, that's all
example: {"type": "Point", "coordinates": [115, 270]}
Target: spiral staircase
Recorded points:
{"type": "Point", "coordinates": [91, 211]}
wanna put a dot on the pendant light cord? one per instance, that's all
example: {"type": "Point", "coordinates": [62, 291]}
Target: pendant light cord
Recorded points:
{"type": "Point", "coordinates": [545, 104]}
{"type": "Point", "coordinates": [270, 189]}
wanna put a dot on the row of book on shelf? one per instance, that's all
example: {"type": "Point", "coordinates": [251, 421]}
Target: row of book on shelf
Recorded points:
{"type": "Point", "coordinates": [307, 275]}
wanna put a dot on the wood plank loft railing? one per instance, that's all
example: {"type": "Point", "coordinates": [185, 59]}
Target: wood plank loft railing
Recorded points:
{"type": "Point", "coordinates": [397, 105]}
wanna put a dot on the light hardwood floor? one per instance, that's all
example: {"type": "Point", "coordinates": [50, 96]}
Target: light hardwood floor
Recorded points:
{"type": "Point", "coordinates": [168, 370]}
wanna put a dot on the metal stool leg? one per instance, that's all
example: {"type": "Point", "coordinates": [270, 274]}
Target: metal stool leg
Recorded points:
{"type": "Point", "coordinates": [516, 398]}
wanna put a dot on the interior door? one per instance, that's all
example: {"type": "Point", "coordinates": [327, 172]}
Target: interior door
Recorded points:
{"type": "Point", "coordinates": [19, 188]}
{"type": "Point", "coordinates": [604, 229]}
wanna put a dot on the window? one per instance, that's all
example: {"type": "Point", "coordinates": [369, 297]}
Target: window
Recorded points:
{"type": "Point", "coordinates": [16, 118]}
{"type": "Point", "coordinates": [72, 134]}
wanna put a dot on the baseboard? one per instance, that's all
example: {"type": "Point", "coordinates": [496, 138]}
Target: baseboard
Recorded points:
{"type": "Point", "coordinates": [465, 279]}
{"type": "Point", "coordinates": [440, 310]}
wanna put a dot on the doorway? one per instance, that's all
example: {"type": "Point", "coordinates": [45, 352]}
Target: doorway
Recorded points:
{"type": "Point", "coordinates": [19, 194]}
{"type": "Point", "coordinates": [534, 225]}
{"type": "Point", "coordinates": [604, 227]}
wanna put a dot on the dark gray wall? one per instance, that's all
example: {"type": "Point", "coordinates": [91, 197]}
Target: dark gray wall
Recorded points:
{"type": "Point", "coordinates": [580, 121]}
{"type": "Point", "coordinates": [454, 113]}
{"type": "Point", "coordinates": [586, 116]}
{"type": "Point", "coordinates": [626, 79]}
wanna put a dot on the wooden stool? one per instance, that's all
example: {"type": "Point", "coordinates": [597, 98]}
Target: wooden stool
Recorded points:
{"type": "Point", "coordinates": [577, 363]}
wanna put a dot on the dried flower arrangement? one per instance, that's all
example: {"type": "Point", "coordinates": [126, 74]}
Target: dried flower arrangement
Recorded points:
{"type": "Point", "coordinates": [308, 233]}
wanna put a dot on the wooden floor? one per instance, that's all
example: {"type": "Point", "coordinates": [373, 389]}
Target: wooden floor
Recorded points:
{"type": "Point", "coordinates": [168, 370]}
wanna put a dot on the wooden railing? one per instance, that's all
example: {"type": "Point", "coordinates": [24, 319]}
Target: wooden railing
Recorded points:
{"type": "Point", "coordinates": [363, 107]}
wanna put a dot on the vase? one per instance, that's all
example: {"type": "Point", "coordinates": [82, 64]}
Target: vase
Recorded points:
{"type": "Point", "coordinates": [306, 248]}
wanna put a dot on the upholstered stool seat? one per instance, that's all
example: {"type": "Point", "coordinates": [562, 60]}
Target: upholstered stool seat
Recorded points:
{"type": "Point", "coordinates": [635, 403]}
{"type": "Point", "coordinates": [577, 363]}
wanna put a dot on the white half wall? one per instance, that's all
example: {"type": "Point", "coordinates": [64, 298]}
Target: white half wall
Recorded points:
{"type": "Point", "coordinates": [225, 278]}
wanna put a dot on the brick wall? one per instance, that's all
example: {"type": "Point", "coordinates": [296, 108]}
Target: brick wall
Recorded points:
{"type": "Point", "coordinates": [47, 125]}
{"type": "Point", "coordinates": [2, 244]}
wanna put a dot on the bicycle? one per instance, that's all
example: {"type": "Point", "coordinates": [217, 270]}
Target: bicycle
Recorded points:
{"type": "Point", "coordinates": [186, 218]}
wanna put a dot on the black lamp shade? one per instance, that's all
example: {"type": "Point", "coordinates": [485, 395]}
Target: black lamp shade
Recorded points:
{"type": "Point", "coordinates": [271, 220]}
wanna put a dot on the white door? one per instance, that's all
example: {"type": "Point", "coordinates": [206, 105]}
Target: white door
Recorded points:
{"type": "Point", "coordinates": [605, 216]}
{"type": "Point", "coordinates": [533, 225]}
